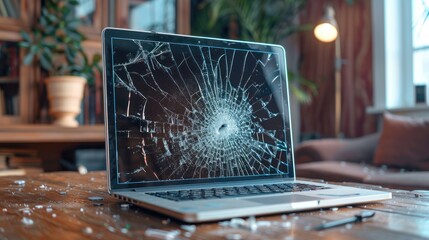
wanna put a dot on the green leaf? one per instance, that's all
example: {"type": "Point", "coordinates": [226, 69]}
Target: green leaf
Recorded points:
{"type": "Point", "coordinates": [25, 36]}
{"type": "Point", "coordinates": [74, 2]}
{"type": "Point", "coordinates": [29, 58]}
{"type": "Point", "coordinates": [25, 44]}
{"type": "Point", "coordinates": [96, 58]}
{"type": "Point", "coordinates": [34, 49]}
{"type": "Point", "coordinates": [44, 61]}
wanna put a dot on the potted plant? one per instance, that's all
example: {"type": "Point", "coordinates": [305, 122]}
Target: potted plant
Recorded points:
{"type": "Point", "coordinates": [259, 21]}
{"type": "Point", "coordinates": [56, 44]}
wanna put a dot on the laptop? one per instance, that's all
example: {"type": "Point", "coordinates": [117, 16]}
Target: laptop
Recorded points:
{"type": "Point", "coordinates": [199, 129]}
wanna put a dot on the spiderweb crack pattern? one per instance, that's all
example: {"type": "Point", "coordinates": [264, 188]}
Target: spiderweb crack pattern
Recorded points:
{"type": "Point", "coordinates": [190, 111]}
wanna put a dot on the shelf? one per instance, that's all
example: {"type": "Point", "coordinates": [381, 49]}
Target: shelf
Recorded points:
{"type": "Point", "coordinates": [38, 133]}
{"type": "Point", "coordinates": [7, 80]}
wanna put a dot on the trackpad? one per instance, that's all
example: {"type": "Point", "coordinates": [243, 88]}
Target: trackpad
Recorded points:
{"type": "Point", "coordinates": [282, 199]}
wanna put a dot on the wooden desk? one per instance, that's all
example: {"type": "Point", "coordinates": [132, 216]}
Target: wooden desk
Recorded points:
{"type": "Point", "coordinates": [56, 206]}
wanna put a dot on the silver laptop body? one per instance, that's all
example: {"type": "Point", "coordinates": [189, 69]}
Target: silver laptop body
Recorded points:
{"type": "Point", "coordinates": [185, 113]}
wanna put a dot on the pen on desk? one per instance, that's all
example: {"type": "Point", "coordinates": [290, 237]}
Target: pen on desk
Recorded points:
{"type": "Point", "coordinates": [357, 218]}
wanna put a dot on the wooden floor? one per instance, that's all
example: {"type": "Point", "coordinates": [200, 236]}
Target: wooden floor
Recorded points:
{"type": "Point", "coordinates": [57, 206]}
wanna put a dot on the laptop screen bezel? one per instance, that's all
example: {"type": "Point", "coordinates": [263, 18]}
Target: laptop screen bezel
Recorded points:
{"type": "Point", "coordinates": [109, 105]}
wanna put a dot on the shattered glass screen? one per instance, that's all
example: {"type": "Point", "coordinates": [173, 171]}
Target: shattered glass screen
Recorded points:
{"type": "Point", "coordinates": [196, 112]}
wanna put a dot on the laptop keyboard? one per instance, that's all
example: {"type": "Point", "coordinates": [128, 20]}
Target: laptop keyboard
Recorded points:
{"type": "Point", "coordinates": [232, 192]}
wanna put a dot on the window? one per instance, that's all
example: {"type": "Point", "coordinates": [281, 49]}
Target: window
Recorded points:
{"type": "Point", "coordinates": [420, 28]}
{"type": "Point", "coordinates": [401, 52]}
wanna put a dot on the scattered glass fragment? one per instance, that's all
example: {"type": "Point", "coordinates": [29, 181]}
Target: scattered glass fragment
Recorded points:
{"type": "Point", "coordinates": [234, 236]}
{"type": "Point", "coordinates": [82, 169]}
{"type": "Point", "coordinates": [95, 198]}
{"type": "Point", "coordinates": [125, 205]}
{"type": "Point", "coordinates": [54, 215]}
{"type": "Point", "coordinates": [81, 210]}
{"type": "Point", "coordinates": [4, 209]}
{"type": "Point", "coordinates": [152, 232]}
{"type": "Point", "coordinates": [27, 221]}
{"type": "Point", "coordinates": [19, 182]}
{"type": "Point", "coordinates": [110, 228]}
{"type": "Point", "coordinates": [42, 186]}
{"type": "Point", "coordinates": [166, 221]}
{"type": "Point", "coordinates": [334, 209]}
{"type": "Point", "coordinates": [48, 209]}
{"type": "Point", "coordinates": [251, 224]}
{"type": "Point", "coordinates": [263, 224]}
{"type": "Point", "coordinates": [25, 210]}
{"type": "Point", "coordinates": [92, 179]}
{"type": "Point", "coordinates": [87, 230]}
{"type": "Point", "coordinates": [188, 228]}
{"type": "Point", "coordinates": [286, 224]}
{"type": "Point", "coordinates": [63, 193]}
{"type": "Point", "coordinates": [124, 230]}
{"type": "Point", "coordinates": [39, 206]}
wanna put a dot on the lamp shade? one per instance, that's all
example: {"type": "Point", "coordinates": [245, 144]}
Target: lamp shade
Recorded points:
{"type": "Point", "coordinates": [327, 29]}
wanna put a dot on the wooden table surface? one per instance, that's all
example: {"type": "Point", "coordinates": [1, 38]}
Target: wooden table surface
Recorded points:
{"type": "Point", "coordinates": [57, 206]}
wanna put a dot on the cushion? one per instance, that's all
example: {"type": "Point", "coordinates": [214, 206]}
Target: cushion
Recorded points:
{"type": "Point", "coordinates": [404, 143]}
{"type": "Point", "coordinates": [349, 150]}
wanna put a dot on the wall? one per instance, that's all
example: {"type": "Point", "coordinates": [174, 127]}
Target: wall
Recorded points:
{"type": "Point", "coordinates": [317, 64]}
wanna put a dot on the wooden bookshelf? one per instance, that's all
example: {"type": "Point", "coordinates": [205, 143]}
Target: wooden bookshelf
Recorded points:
{"type": "Point", "coordinates": [16, 80]}
{"type": "Point", "coordinates": [21, 129]}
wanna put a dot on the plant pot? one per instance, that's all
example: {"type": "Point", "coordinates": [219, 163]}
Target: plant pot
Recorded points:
{"type": "Point", "coordinates": [65, 95]}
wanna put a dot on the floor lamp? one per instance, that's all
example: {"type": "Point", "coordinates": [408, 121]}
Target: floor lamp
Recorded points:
{"type": "Point", "coordinates": [326, 30]}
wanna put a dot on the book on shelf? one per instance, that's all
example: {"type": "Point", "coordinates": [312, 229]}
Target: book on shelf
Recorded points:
{"type": "Point", "coordinates": [17, 7]}
{"type": "Point", "coordinates": [21, 158]}
{"type": "Point", "coordinates": [18, 151]}
{"type": "Point", "coordinates": [12, 172]}
{"type": "Point", "coordinates": [2, 103]}
{"type": "Point", "coordinates": [3, 162]}
{"type": "Point", "coordinates": [11, 8]}
{"type": "Point", "coordinates": [24, 162]}
{"type": "Point", "coordinates": [3, 11]}
{"type": "Point", "coordinates": [18, 165]}
{"type": "Point", "coordinates": [12, 49]}
{"type": "Point", "coordinates": [10, 102]}
{"type": "Point", "coordinates": [20, 171]}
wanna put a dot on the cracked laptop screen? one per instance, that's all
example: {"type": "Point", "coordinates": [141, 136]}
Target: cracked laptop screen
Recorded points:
{"type": "Point", "coordinates": [196, 112]}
